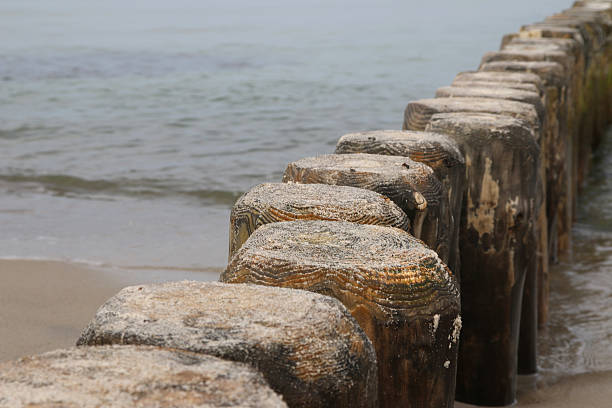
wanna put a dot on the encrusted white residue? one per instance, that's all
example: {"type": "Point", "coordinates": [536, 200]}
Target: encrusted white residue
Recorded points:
{"type": "Point", "coordinates": [481, 215]}
{"type": "Point", "coordinates": [454, 336]}
{"type": "Point", "coordinates": [436, 321]}
{"type": "Point", "coordinates": [446, 364]}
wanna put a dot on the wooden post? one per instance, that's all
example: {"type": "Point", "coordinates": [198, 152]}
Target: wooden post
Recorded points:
{"type": "Point", "coordinates": [497, 248]}
{"type": "Point", "coordinates": [276, 202]}
{"type": "Point", "coordinates": [597, 23]}
{"type": "Point", "coordinates": [492, 84]}
{"type": "Point", "coordinates": [558, 153]}
{"type": "Point", "coordinates": [399, 291]}
{"type": "Point", "coordinates": [569, 40]}
{"type": "Point", "coordinates": [537, 275]}
{"type": "Point", "coordinates": [438, 152]}
{"type": "Point", "coordinates": [307, 346]}
{"type": "Point", "coordinates": [498, 92]}
{"type": "Point", "coordinates": [506, 78]}
{"type": "Point", "coordinates": [594, 37]}
{"type": "Point", "coordinates": [581, 148]}
{"type": "Point", "coordinates": [418, 113]}
{"type": "Point", "coordinates": [132, 376]}
{"type": "Point", "coordinates": [411, 185]}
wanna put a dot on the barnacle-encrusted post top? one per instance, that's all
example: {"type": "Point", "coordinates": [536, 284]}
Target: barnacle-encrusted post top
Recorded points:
{"type": "Point", "coordinates": [307, 346]}
{"type": "Point", "coordinates": [384, 266]}
{"type": "Point", "coordinates": [131, 376]}
{"type": "Point", "coordinates": [276, 202]}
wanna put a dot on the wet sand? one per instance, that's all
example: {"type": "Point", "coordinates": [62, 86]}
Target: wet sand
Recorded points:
{"type": "Point", "coordinates": [44, 305]}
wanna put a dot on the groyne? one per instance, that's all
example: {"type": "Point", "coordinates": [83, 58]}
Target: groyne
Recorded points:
{"type": "Point", "coordinates": [408, 268]}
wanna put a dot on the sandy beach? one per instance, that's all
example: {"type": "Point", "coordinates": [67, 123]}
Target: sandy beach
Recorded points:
{"type": "Point", "coordinates": [44, 305]}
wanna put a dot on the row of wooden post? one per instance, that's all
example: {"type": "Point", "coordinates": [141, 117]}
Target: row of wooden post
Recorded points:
{"type": "Point", "coordinates": [508, 147]}
{"type": "Point", "coordinates": [428, 249]}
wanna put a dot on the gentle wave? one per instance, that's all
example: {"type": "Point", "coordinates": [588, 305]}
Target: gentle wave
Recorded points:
{"type": "Point", "coordinates": [68, 185]}
{"type": "Point", "coordinates": [78, 64]}
{"type": "Point", "coordinates": [105, 265]}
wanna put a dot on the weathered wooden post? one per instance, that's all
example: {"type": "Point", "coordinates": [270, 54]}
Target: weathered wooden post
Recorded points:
{"type": "Point", "coordinates": [593, 38]}
{"type": "Point", "coordinates": [399, 291]}
{"type": "Point", "coordinates": [537, 274]}
{"type": "Point", "coordinates": [570, 41]}
{"type": "Point", "coordinates": [307, 346]}
{"type": "Point", "coordinates": [576, 77]}
{"type": "Point", "coordinates": [411, 185]}
{"type": "Point", "coordinates": [585, 97]}
{"type": "Point", "coordinates": [418, 113]}
{"type": "Point", "coordinates": [276, 202]}
{"type": "Point", "coordinates": [515, 80]}
{"type": "Point", "coordinates": [557, 148]}
{"type": "Point", "coordinates": [129, 376]}
{"type": "Point", "coordinates": [498, 92]}
{"type": "Point", "coordinates": [596, 23]}
{"type": "Point", "coordinates": [497, 248]}
{"type": "Point", "coordinates": [438, 152]}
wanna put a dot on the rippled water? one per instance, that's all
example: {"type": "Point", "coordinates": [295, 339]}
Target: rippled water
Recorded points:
{"type": "Point", "coordinates": [128, 129]}
{"type": "Point", "coordinates": [579, 336]}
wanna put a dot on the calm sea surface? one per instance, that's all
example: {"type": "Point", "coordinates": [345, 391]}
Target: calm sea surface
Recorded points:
{"type": "Point", "coordinates": [129, 128]}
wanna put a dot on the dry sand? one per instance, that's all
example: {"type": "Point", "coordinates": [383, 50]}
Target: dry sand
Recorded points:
{"type": "Point", "coordinates": [44, 305]}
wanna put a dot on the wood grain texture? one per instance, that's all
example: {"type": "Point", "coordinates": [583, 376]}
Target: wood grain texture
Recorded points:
{"type": "Point", "coordinates": [411, 185]}
{"type": "Point", "coordinates": [131, 376]}
{"type": "Point", "coordinates": [278, 202]}
{"type": "Point", "coordinates": [436, 151]}
{"type": "Point", "coordinates": [307, 346]}
{"type": "Point", "coordinates": [497, 248]}
{"type": "Point", "coordinates": [398, 290]}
